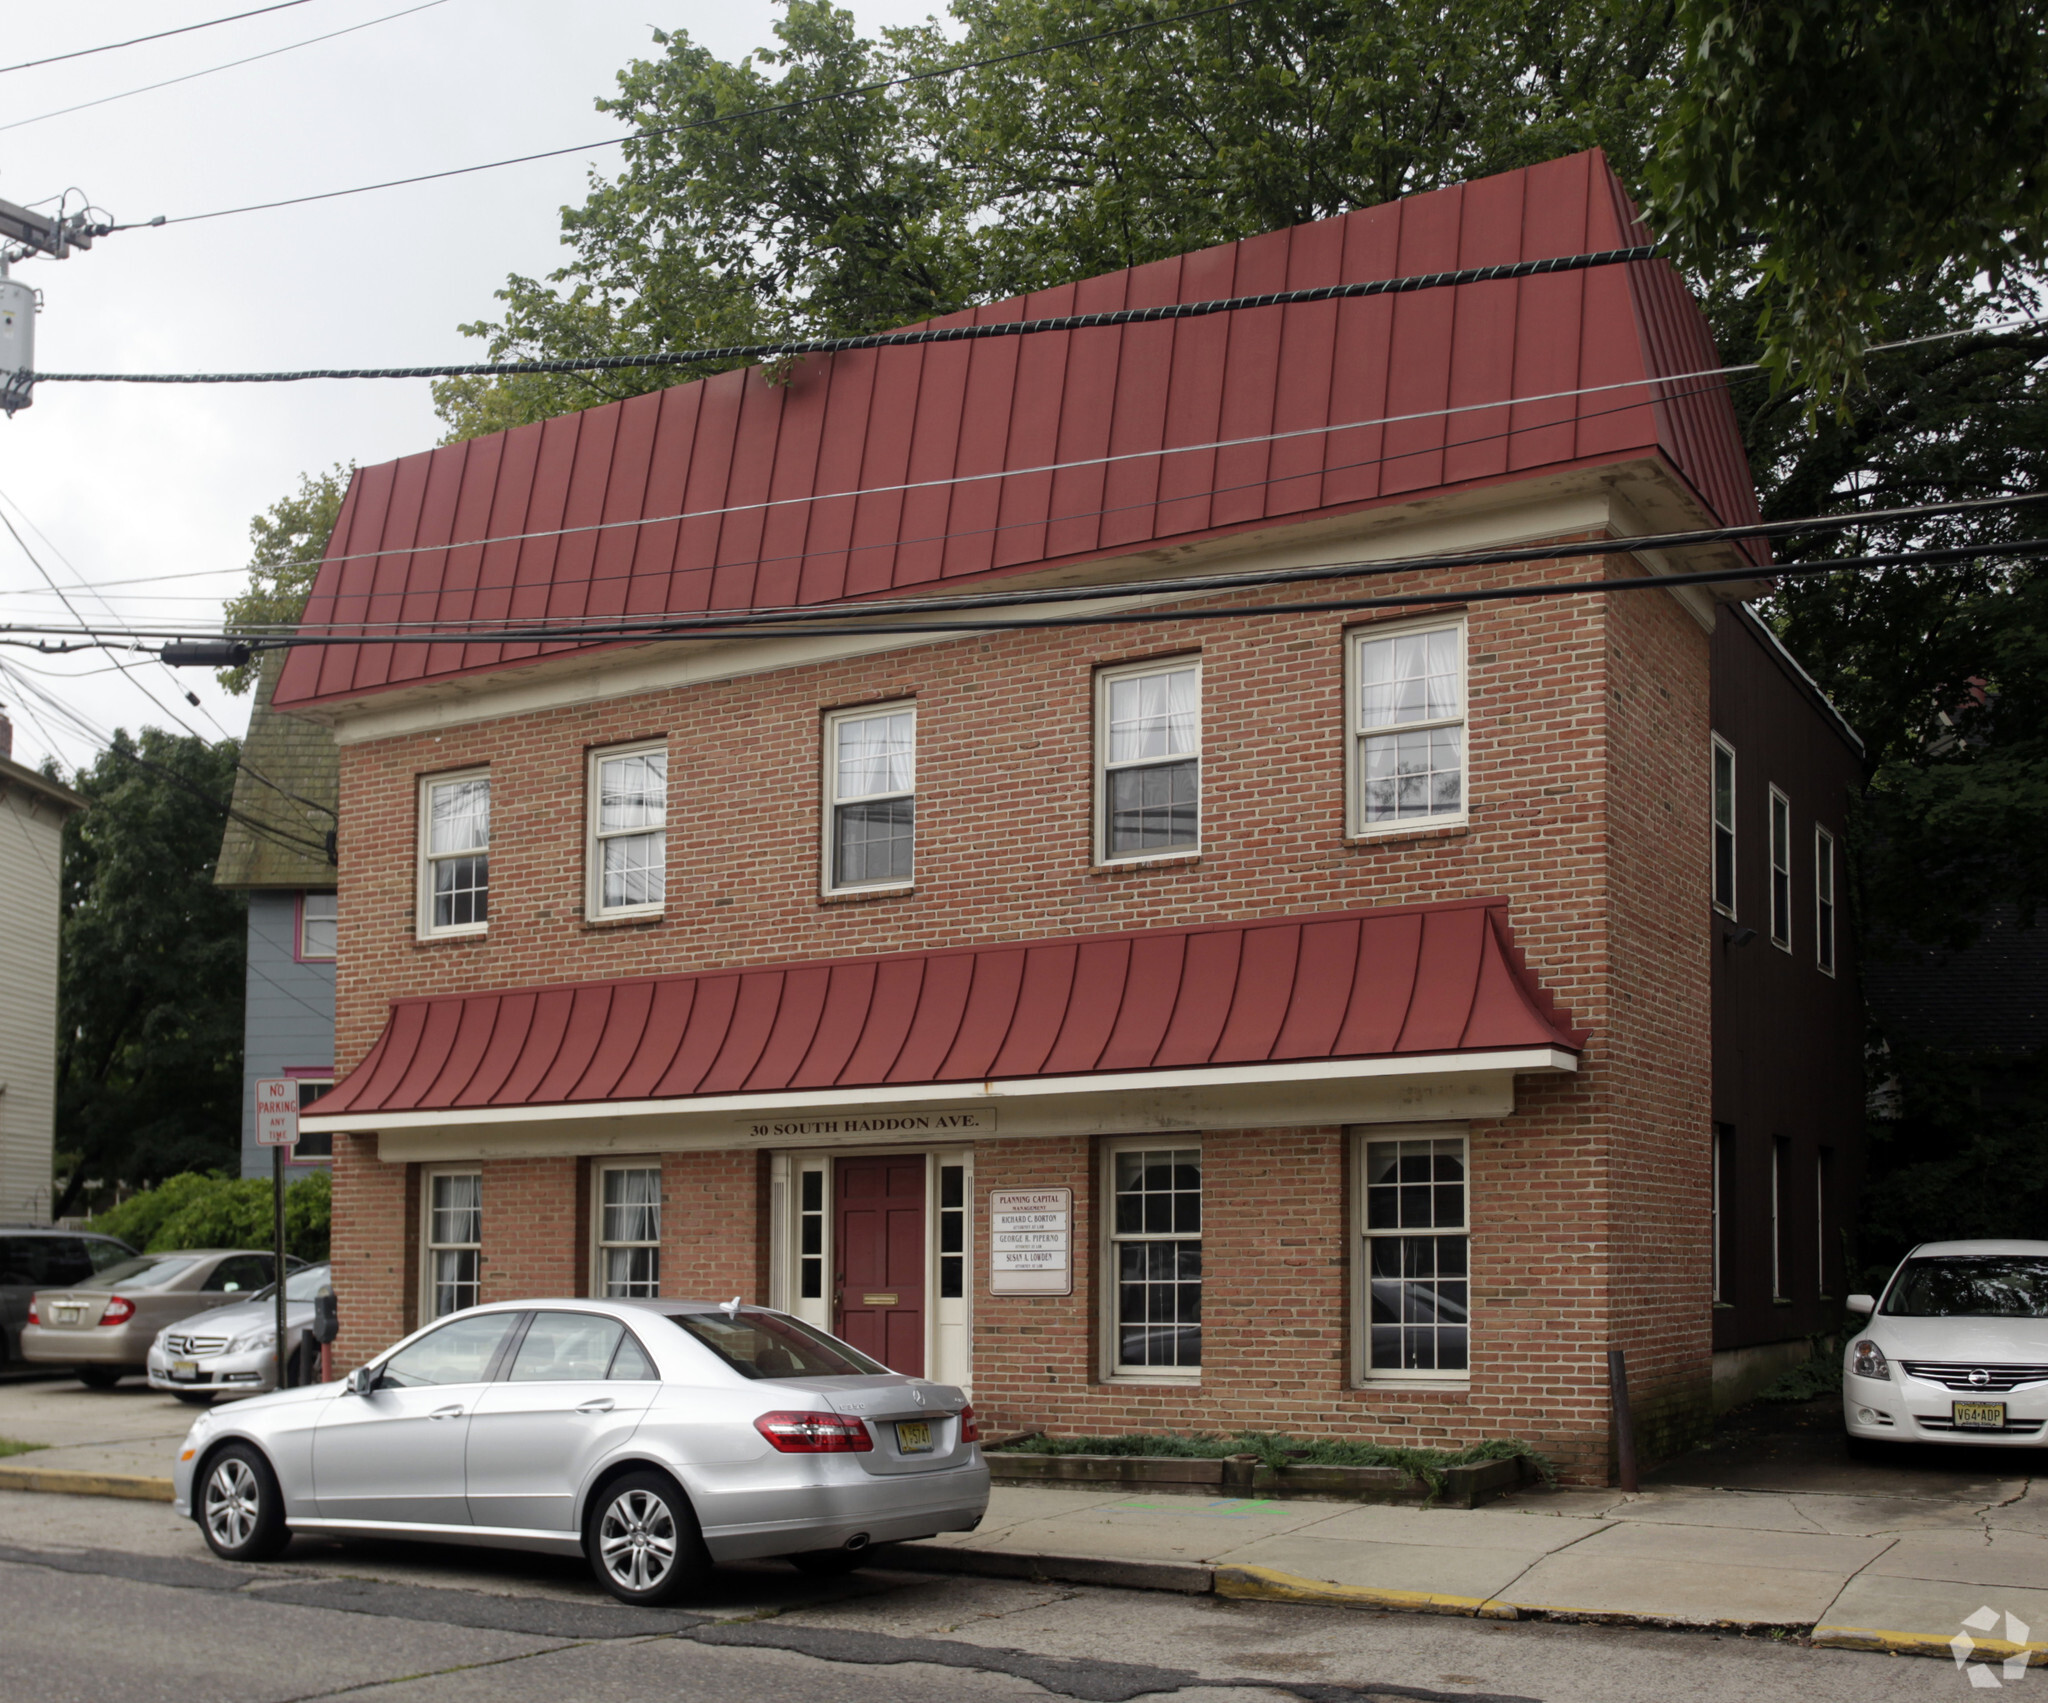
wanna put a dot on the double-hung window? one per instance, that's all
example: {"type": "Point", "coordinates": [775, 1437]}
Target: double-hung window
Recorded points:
{"type": "Point", "coordinates": [319, 923]}
{"type": "Point", "coordinates": [1781, 870]}
{"type": "Point", "coordinates": [870, 798]}
{"type": "Point", "coordinates": [455, 1237]}
{"type": "Point", "coordinates": [629, 1230]}
{"type": "Point", "coordinates": [455, 854]}
{"type": "Point", "coordinates": [1155, 1259]}
{"type": "Point", "coordinates": [627, 855]}
{"type": "Point", "coordinates": [1415, 1257]}
{"type": "Point", "coordinates": [1724, 825]}
{"type": "Point", "coordinates": [1407, 727]}
{"type": "Point", "coordinates": [1824, 899]}
{"type": "Point", "coordinates": [1148, 760]}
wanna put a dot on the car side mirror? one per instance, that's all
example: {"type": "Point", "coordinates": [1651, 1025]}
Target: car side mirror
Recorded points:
{"type": "Point", "coordinates": [361, 1381]}
{"type": "Point", "coordinates": [1865, 1304]}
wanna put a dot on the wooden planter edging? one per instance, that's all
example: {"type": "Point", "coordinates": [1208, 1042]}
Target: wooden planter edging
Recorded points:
{"type": "Point", "coordinates": [1464, 1486]}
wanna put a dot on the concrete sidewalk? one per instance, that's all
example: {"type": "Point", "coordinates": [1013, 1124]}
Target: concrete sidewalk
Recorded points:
{"type": "Point", "coordinates": [1876, 1557]}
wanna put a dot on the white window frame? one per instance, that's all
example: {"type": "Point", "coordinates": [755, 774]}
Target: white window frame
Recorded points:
{"type": "Point", "coordinates": [1716, 828]}
{"type": "Point", "coordinates": [423, 916]}
{"type": "Point", "coordinates": [828, 882]}
{"type": "Point", "coordinates": [1820, 1222]}
{"type": "Point", "coordinates": [429, 1247]}
{"type": "Point", "coordinates": [1356, 731]}
{"type": "Point", "coordinates": [1108, 1241]}
{"type": "Point", "coordinates": [594, 837]}
{"type": "Point", "coordinates": [1362, 1370]}
{"type": "Point", "coordinates": [1824, 941]}
{"type": "Point", "coordinates": [599, 1246]}
{"type": "Point", "coordinates": [302, 952]}
{"type": "Point", "coordinates": [1780, 1147]}
{"type": "Point", "coordinates": [1780, 818]}
{"type": "Point", "coordinates": [1103, 768]}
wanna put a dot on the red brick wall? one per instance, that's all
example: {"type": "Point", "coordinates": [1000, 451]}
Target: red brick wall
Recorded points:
{"type": "Point", "coordinates": [374, 1250]}
{"type": "Point", "coordinates": [1588, 815]}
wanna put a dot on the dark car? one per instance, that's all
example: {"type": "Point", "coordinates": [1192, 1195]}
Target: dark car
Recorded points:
{"type": "Point", "coordinates": [32, 1259]}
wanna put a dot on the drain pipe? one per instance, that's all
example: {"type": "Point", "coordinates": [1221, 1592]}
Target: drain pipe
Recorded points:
{"type": "Point", "coordinates": [1624, 1423]}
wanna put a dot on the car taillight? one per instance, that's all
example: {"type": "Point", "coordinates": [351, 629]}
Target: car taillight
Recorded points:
{"type": "Point", "coordinates": [119, 1311]}
{"type": "Point", "coordinates": [32, 1319]}
{"type": "Point", "coordinates": [815, 1433]}
{"type": "Point", "coordinates": [969, 1431]}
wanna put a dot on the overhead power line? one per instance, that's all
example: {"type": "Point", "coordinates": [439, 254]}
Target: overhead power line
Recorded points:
{"type": "Point", "coordinates": [902, 339]}
{"type": "Point", "coordinates": [193, 76]}
{"type": "Point", "coordinates": [719, 120]}
{"type": "Point", "coordinates": [160, 35]}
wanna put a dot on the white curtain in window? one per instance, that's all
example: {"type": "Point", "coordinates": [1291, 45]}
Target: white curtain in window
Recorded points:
{"type": "Point", "coordinates": [1153, 715]}
{"type": "Point", "coordinates": [877, 754]}
{"type": "Point", "coordinates": [458, 1210]}
{"type": "Point", "coordinates": [461, 816]}
{"type": "Point", "coordinates": [632, 1206]}
{"type": "Point", "coordinates": [1412, 677]}
{"type": "Point", "coordinates": [632, 792]}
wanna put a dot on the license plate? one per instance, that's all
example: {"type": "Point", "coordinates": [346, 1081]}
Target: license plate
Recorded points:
{"type": "Point", "coordinates": [64, 1315]}
{"type": "Point", "coordinates": [184, 1368]}
{"type": "Point", "coordinates": [1979, 1415]}
{"type": "Point", "coordinates": [913, 1437]}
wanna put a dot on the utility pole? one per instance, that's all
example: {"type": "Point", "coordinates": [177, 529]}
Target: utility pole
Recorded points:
{"type": "Point", "coordinates": [23, 233]}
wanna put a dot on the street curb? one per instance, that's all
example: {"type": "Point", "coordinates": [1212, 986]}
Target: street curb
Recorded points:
{"type": "Point", "coordinates": [1269, 1584]}
{"type": "Point", "coordinates": [1189, 1578]}
{"type": "Point", "coordinates": [62, 1481]}
{"type": "Point", "coordinates": [1922, 1644]}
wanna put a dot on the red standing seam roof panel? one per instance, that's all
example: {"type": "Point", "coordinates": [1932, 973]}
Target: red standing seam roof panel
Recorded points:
{"type": "Point", "coordinates": [1426, 979]}
{"type": "Point", "coordinates": [694, 462]}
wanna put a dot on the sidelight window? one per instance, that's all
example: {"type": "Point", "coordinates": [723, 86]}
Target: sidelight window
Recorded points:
{"type": "Point", "coordinates": [1155, 1260]}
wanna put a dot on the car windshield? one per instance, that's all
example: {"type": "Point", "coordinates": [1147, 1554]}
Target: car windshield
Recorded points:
{"type": "Point", "coordinates": [308, 1284]}
{"type": "Point", "coordinates": [145, 1271]}
{"type": "Point", "coordinates": [1970, 1286]}
{"type": "Point", "coordinates": [768, 1345]}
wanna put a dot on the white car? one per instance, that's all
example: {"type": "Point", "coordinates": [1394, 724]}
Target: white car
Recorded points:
{"type": "Point", "coordinates": [1955, 1350]}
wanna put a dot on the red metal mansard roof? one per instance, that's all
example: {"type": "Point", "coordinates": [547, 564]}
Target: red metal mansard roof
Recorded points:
{"type": "Point", "coordinates": [881, 470]}
{"type": "Point", "coordinates": [1427, 979]}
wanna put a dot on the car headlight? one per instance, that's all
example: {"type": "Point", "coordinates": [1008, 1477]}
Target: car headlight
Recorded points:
{"type": "Point", "coordinates": [251, 1340]}
{"type": "Point", "coordinates": [1870, 1361]}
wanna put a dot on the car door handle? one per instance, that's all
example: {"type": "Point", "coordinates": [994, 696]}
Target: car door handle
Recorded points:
{"type": "Point", "coordinates": [446, 1413]}
{"type": "Point", "coordinates": [596, 1404]}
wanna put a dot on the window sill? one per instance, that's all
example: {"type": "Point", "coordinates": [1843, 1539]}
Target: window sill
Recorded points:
{"type": "Point", "coordinates": [860, 895]}
{"type": "Point", "coordinates": [1154, 1380]}
{"type": "Point", "coordinates": [1165, 860]}
{"type": "Point", "coordinates": [1417, 1386]}
{"type": "Point", "coordinates": [624, 919]}
{"type": "Point", "coordinates": [448, 937]}
{"type": "Point", "coordinates": [1402, 835]}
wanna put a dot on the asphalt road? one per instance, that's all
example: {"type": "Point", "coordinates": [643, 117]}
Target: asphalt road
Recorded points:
{"type": "Point", "coordinates": [119, 1602]}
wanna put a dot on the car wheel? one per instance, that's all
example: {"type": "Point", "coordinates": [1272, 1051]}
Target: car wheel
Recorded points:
{"type": "Point", "coordinates": [827, 1563]}
{"type": "Point", "coordinates": [241, 1509]}
{"type": "Point", "coordinates": [643, 1541]}
{"type": "Point", "coordinates": [99, 1377]}
{"type": "Point", "coordinates": [194, 1398]}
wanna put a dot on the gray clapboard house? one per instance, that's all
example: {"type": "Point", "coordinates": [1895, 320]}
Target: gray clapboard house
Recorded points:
{"type": "Point", "coordinates": [279, 849]}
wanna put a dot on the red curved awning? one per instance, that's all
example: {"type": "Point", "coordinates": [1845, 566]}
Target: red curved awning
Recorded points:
{"type": "Point", "coordinates": [1383, 983]}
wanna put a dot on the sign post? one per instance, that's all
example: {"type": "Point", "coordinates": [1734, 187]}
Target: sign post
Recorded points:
{"type": "Point", "coordinates": [277, 1128]}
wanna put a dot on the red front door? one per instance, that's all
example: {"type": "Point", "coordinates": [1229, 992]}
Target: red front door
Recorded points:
{"type": "Point", "coordinates": [881, 1259]}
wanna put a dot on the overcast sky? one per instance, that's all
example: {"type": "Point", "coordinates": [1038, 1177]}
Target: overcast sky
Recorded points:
{"type": "Point", "coordinates": [131, 481]}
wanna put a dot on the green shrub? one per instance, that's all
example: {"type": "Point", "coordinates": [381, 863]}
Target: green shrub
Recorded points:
{"type": "Point", "coordinates": [199, 1211]}
{"type": "Point", "coordinates": [1820, 1376]}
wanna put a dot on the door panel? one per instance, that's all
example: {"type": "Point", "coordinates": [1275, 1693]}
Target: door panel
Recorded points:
{"type": "Point", "coordinates": [880, 1254]}
{"type": "Point", "coordinates": [395, 1455]}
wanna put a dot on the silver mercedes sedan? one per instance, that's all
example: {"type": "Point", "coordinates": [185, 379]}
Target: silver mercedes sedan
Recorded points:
{"type": "Point", "coordinates": [655, 1438]}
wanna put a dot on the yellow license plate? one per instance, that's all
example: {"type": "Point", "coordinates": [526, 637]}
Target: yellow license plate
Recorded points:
{"type": "Point", "coordinates": [913, 1437]}
{"type": "Point", "coordinates": [184, 1369]}
{"type": "Point", "coordinates": [1979, 1415]}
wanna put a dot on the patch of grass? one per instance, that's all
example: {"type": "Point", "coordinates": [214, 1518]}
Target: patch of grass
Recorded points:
{"type": "Point", "coordinates": [1820, 1376]}
{"type": "Point", "coordinates": [9, 1446]}
{"type": "Point", "coordinates": [1275, 1449]}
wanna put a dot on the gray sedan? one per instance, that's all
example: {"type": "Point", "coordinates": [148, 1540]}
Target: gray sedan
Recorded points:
{"type": "Point", "coordinates": [233, 1350]}
{"type": "Point", "coordinates": [102, 1326]}
{"type": "Point", "coordinates": [652, 1437]}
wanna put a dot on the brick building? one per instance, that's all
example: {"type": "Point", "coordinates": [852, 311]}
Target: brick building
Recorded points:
{"type": "Point", "coordinates": [1247, 1015]}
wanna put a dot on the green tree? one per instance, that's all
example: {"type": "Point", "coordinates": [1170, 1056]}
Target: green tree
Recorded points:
{"type": "Point", "coordinates": [1844, 151]}
{"type": "Point", "coordinates": [195, 1210]}
{"type": "Point", "coordinates": [290, 537]}
{"type": "Point", "coordinates": [150, 986]}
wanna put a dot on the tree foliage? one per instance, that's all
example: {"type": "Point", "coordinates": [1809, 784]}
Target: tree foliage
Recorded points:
{"type": "Point", "coordinates": [150, 986]}
{"type": "Point", "coordinates": [290, 537]}
{"type": "Point", "coordinates": [197, 1210]}
{"type": "Point", "coordinates": [1848, 150]}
